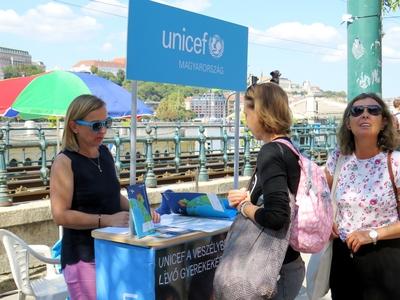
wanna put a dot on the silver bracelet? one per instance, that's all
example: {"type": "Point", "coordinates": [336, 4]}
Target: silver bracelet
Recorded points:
{"type": "Point", "coordinates": [242, 206]}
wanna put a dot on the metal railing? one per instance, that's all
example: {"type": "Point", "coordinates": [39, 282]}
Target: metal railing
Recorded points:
{"type": "Point", "coordinates": [154, 141]}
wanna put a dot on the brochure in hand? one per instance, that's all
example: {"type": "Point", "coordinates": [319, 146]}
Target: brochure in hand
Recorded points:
{"type": "Point", "coordinates": [139, 209]}
{"type": "Point", "coordinates": [198, 204]}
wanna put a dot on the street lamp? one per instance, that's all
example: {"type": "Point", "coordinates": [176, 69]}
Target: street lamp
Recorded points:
{"type": "Point", "coordinates": [226, 107]}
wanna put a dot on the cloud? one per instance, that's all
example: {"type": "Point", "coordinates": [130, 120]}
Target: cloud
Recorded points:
{"type": "Point", "coordinates": [111, 7]}
{"type": "Point", "coordinates": [391, 44]}
{"type": "Point", "coordinates": [336, 55]}
{"type": "Point", "coordinates": [316, 38]}
{"type": "Point", "coordinates": [191, 5]}
{"type": "Point", "coordinates": [107, 47]}
{"type": "Point", "coordinates": [52, 22]}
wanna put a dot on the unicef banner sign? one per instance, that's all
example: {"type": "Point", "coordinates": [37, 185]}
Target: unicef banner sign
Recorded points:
{"type": "Point", "coordinates": [171, 45]}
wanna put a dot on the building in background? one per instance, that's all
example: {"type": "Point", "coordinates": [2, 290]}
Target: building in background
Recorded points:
{"type": "Point", "coordinates": [112, 66]}
{"type": "Point", "coordinates": [208, 106]}
{"type": "Point", "coordinates": [13, 57]}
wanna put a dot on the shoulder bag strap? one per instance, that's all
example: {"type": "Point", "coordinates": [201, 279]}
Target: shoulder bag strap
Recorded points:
{"type": "Point", "coordinates": [390, 168]}
{"type": "Point", "coordinates": [338, 167]}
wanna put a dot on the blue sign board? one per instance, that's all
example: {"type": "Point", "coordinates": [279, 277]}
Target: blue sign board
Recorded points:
{"type": "Point", "coordinates": [171, 45]}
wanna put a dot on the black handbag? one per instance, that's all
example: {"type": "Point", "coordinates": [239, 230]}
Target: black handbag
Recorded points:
{"type": "Point", "coordinates": [252, 260]}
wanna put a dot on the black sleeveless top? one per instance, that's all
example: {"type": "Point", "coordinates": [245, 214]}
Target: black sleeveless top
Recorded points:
{"type": "Point", "coordinates": [95, 192]}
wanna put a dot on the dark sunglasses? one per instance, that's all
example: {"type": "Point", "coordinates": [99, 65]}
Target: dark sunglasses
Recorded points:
{"type": "Point", "coordinates": [358, 110]}
{"type": "Point", "coordinates": [95, 125]}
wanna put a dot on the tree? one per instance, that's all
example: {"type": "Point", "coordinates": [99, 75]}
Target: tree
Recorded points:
{"type": "Point", "coordinates": [21, 70]}
{"type": "Point", "coordinates": [172, 108]}
{"type": "Point", "coordinates": [94, 69]}
{"type": "Point", "coordinates": [120, 77]}
{"type": "Point", "coordinates": [391, 5]}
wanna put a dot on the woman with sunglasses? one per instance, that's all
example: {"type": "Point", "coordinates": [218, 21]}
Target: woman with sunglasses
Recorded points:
{"type": "Point", "coordinates": [366, 246]}
{"type": "Point", "coordinates": [85, 192]}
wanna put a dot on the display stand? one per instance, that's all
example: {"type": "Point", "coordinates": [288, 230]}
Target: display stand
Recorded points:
{"type": "Point", "coordinates": [181, 267]}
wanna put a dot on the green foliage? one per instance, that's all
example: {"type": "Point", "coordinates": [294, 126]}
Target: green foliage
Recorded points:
{"type": "Point", "coordinates": [391, 5]}
{"type": "Point", "coordinates": [172, 108]}
{"type": "Point", "coordinates": [94, 69]}
{"type": "Point", "coordinates": [21, 70]}
{"type": "Point", "coordinates": [151, 91]}
{"type": "Point", "coordinates": [340, 94]}
{"type": "Point", "coordinates": [119, 79]}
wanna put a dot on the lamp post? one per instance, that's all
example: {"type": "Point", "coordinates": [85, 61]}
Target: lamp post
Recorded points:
{"type": "Point", "coordinates": [226, 107]}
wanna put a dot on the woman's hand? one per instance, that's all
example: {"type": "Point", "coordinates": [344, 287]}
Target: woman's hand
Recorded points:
{"type": "Point", "coordinates": [119, 219]}
{"type": "Point", "coordinates": [155, 216]}
{"type": "Point", "coordinates": [356, 239]}
{"type": "Point", "coordinates": [334, 232]}
{"type": "Point", "coordinates": [235, 197]}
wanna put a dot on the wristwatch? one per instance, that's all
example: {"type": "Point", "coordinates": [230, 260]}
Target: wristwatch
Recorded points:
{"type": "Point", "coordinates": [373, 234]}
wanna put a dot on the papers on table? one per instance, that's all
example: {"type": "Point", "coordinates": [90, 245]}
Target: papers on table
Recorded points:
{"type": "Point", "coordinates": [194, 223]}
{"type": "Point", "coordinates": [115, 230]}
{"type": "Point", "coordinates": [175, 224]}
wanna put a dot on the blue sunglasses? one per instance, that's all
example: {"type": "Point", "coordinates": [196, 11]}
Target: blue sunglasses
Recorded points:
{"type": "Point", "coordinates": [96, 125]}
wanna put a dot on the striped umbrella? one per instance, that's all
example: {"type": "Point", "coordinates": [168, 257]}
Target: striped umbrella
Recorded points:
{"type": "Point", "coordinates": [49, 94]}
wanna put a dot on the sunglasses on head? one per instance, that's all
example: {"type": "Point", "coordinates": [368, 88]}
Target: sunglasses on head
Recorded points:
{"type": "Point", "coordinates": [358, 110]}
{"type": "Point", "coordinates": [95, 125]}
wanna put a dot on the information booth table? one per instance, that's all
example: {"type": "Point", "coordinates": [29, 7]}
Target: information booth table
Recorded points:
{"type": "Point", "coordinates": [165, 267]}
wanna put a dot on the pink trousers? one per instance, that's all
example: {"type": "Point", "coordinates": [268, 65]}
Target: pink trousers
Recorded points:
{"type": "Point", "coordinates": [81, 280]}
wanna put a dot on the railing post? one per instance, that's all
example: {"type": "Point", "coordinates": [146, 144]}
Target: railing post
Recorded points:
{"type": "Point", "coordinates": [155, 127]}
{"type": "Point", "coordinates": [225, 147]}
{"type": "Point", "coordinates": [117, 142]}
{"type": "Point", "coordinates": [312, 144]}
{"type": "Point", "coordinates": [295, 138]}
{"type": "Point", "coordinates": [247, 170]}
{"type": "Point", "coordinates": [203, 174]}
{"type": "Point", "coordinates": [150, 180]}
{"type": "Point", "coordinates": [177, 141]}
{"type": "Point", "coordinates": [44, 172]}
{"type": "Point", "coordinates": [7, 152]}
{"type": "Point", "coordinates": [5, 199]}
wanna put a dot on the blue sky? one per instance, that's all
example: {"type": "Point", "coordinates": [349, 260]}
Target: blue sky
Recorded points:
{"type": "Point", "coordinates": [305, 40]}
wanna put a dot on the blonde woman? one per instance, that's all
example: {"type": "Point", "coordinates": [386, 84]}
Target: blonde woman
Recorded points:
{"type": "Point", "coordinates": [85, 192]}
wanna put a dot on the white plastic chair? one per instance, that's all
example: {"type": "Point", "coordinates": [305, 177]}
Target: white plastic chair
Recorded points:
{"type": "Point", "coordinates": [52, 286]}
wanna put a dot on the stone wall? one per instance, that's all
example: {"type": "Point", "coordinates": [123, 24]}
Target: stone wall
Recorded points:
{"type": "Point", "coordinates": [33, 221]}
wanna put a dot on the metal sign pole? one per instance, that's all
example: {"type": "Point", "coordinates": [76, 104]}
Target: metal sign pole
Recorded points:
{"type": "Point", "coordinates": [237, 131]}
{"type": "Point", "coordinates": [132, 169]}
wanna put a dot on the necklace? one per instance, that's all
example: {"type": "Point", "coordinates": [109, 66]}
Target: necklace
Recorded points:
{"type": "Point", "coordinates": [96, 164]}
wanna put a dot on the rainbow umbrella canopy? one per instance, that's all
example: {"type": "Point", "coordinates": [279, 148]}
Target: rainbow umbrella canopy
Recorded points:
{"type": "Point", "coordinates": [49, 94]}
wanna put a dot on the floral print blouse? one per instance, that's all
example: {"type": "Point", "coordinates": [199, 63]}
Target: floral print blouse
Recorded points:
{"type": "Point", "coordinates": [364, 192]}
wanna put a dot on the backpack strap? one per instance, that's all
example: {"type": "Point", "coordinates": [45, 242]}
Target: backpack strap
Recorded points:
{"type": "Point", "coordinates": [294, 150]}
{"type": "Point", "coordinates": [391, 175]}
{"type": "Point", "coordinates": [289, 144]}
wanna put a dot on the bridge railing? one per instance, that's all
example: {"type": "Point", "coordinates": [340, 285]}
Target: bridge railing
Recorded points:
{"type": "Point", "coordinates": [175, 144]}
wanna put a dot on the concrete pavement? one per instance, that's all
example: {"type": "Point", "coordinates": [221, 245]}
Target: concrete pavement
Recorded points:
{"type": "Point", "coordinates": [302, 294]}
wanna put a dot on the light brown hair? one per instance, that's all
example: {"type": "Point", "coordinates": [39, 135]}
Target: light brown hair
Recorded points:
{"type": "Point", "coordinates": [271, 104]}
{"type": "Point", "coordinates": [396, 103]}
{"type": "Point", "coordinates": [79, 108]}
{"type": "Point", "coordinates": [387, 140]}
